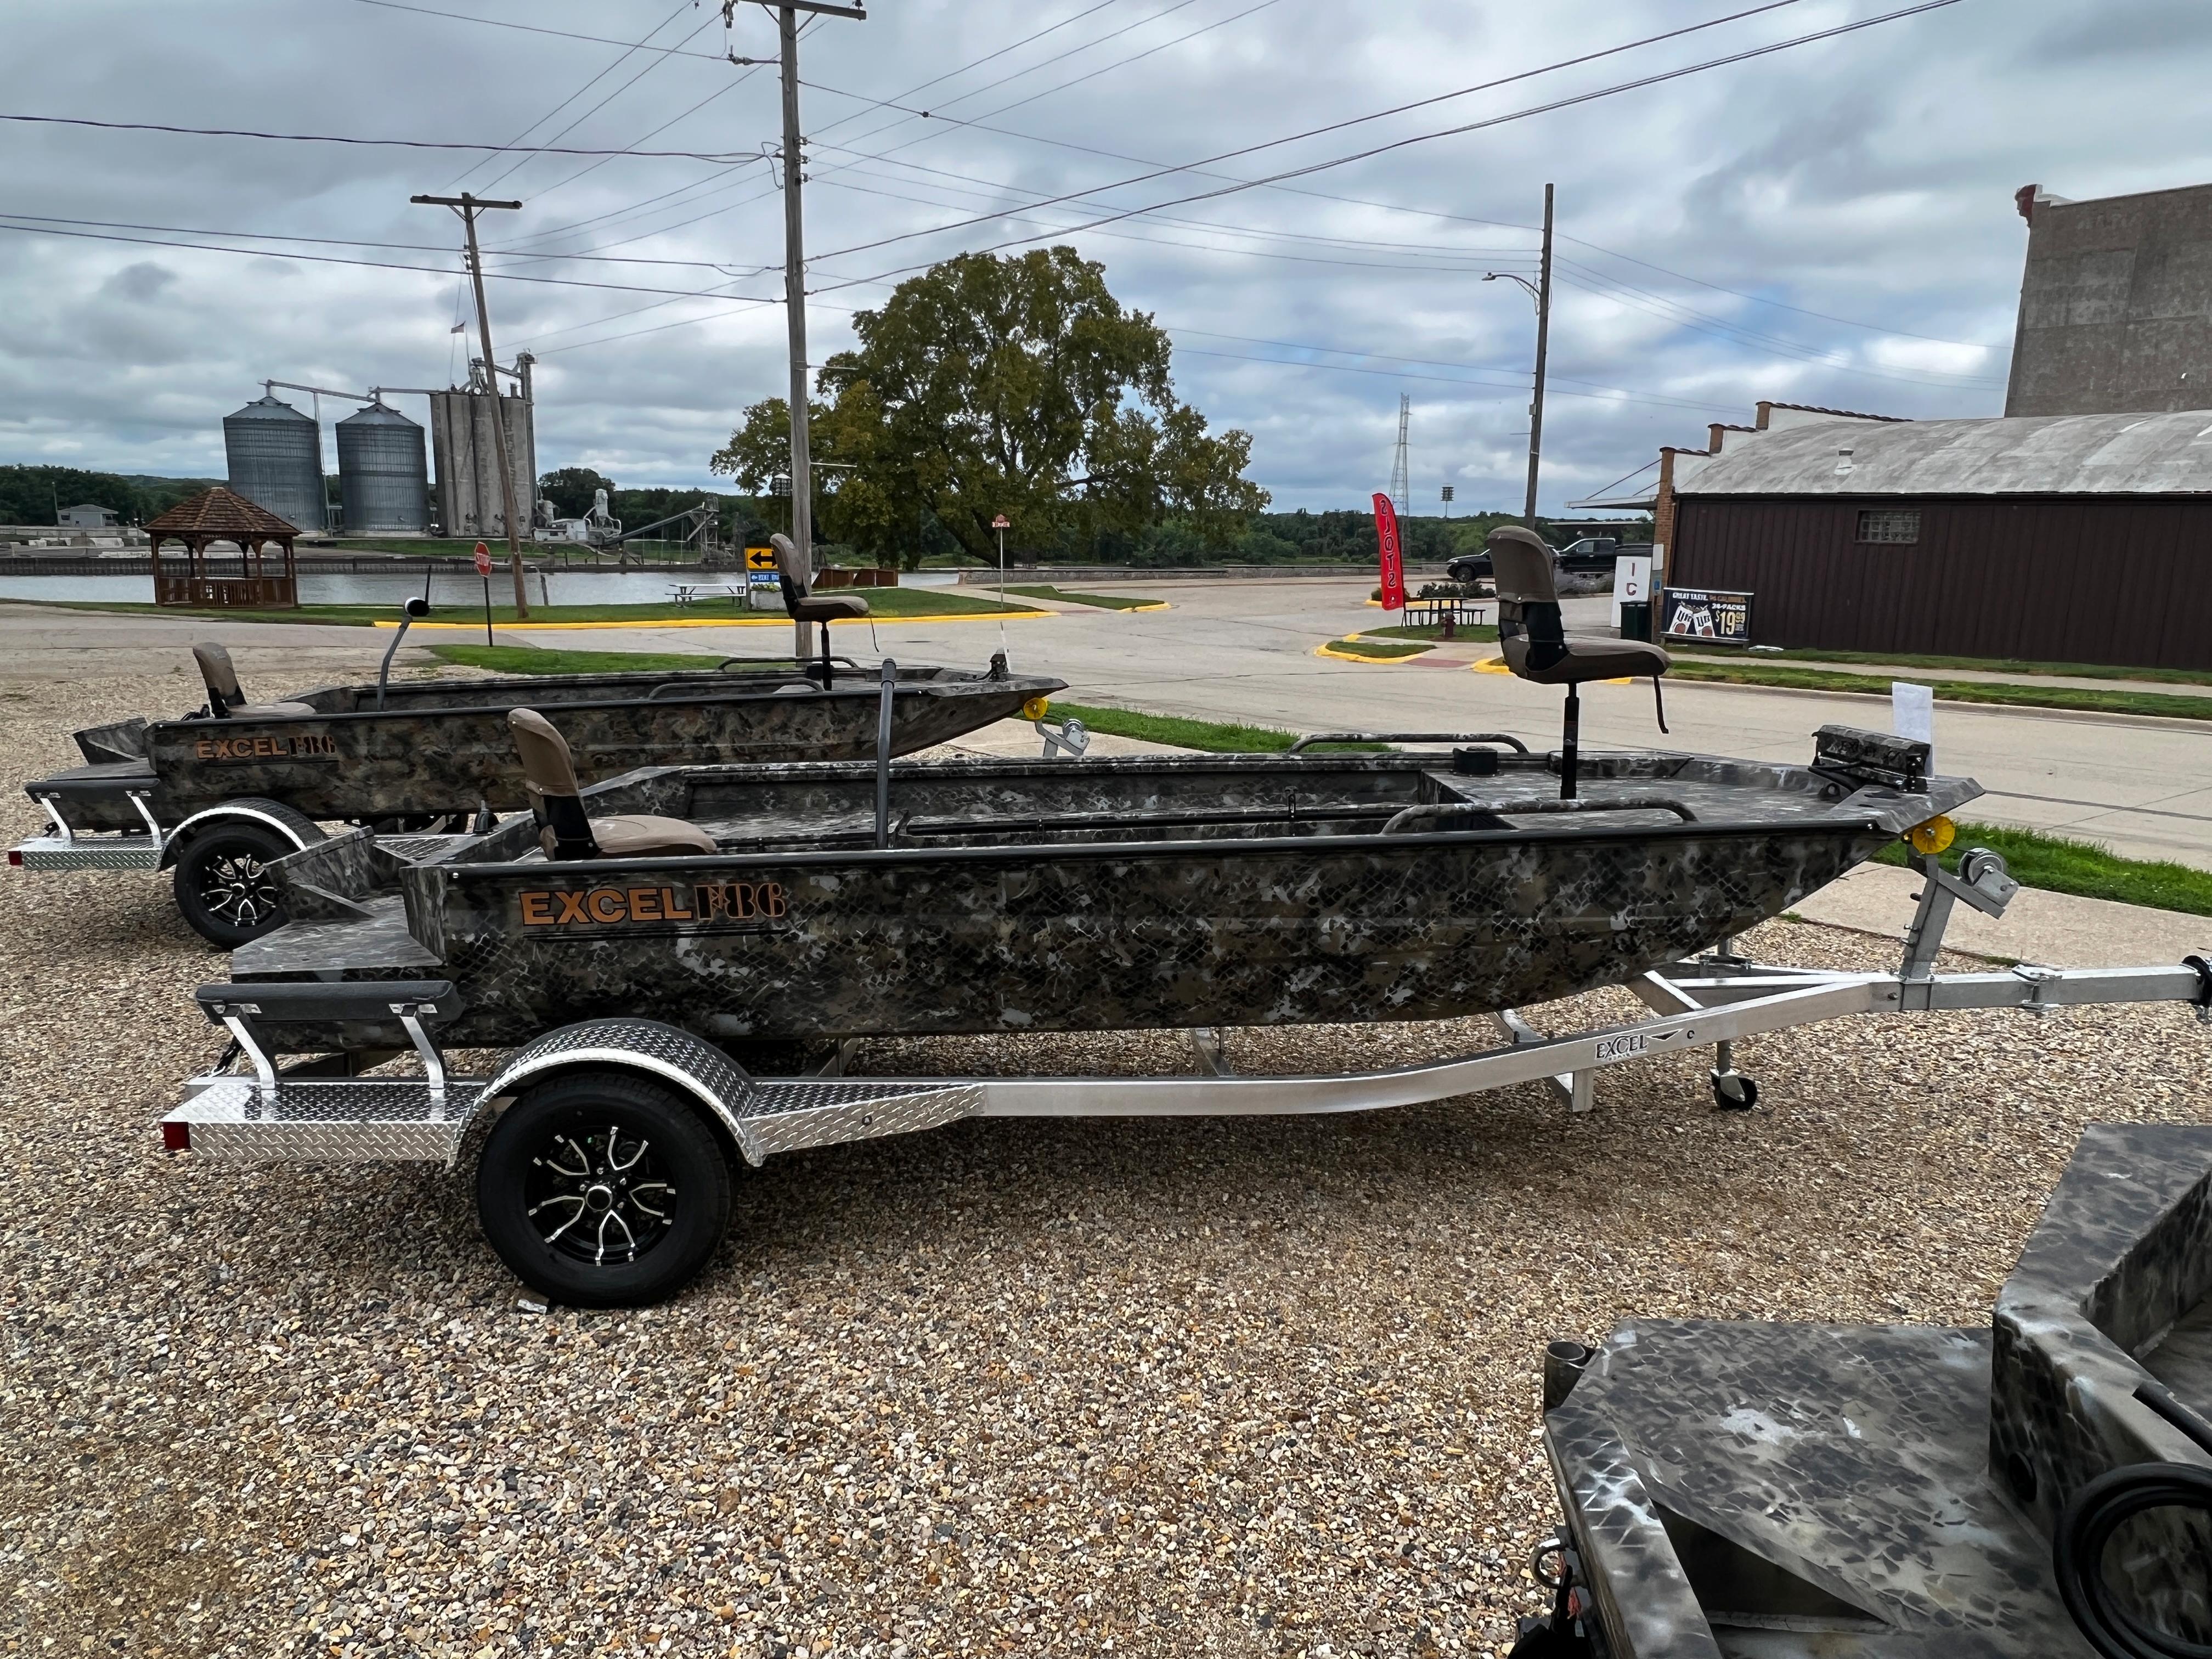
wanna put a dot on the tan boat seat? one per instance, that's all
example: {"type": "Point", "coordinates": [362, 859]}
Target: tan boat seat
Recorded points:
{"type": "Point", "coordinates": [1530, 635]}
{"type": "Point", "coordinates": [225, 699]}
{"type": "Point", "coordinates": [556, 802]}
{"type": "Point", "coordinates": [798, 584]}
{"type": "Point", "coordinates": [1533, 639]}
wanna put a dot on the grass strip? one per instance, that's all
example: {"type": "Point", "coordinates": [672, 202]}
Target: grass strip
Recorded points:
{"type": "Point", "coordinates": [906, 602]}
{"type": "Point", "coordinates": [1460, 631]}
{"type": "Point", "coordinates": [2013, 696]}
{"type": "Point", "coordinates": [1175, 731]}
{"type": "Point", "coordinates": [2080, 671]}
{"type": "Point", "coordinates": [1103, 601]}
{"type": "Point", "coordinates": [529, 659]}
{"type": "Point", "coordinates": [1358, 645]}
{"type": "Point", "coordinates": [2087, 869]}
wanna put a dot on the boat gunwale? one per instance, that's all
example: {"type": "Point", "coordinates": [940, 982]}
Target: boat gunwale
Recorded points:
{"type": "Point", "coordinates": [885, 857]}
{"type": "Point", "coordinates": [871, 690]}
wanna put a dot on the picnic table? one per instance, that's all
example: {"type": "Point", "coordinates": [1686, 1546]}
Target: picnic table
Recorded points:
{"type": "Point", "coordinates": [688, 593]}
{"type": "Point", "coordinates": [1436, 612]}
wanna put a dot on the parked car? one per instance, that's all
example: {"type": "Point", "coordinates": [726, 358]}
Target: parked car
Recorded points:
{"type": "Point", "coordinates": [1468, 567]}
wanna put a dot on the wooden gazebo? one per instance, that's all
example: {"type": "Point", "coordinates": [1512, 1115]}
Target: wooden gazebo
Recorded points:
{"type": "Point", "coordinates": [245, 578]}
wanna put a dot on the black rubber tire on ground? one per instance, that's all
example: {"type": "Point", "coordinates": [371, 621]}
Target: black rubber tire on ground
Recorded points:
{"type": "Point", "coordinates": [586, 1157]}
{"type": "Point", "coordinates": [224, 883]}
{"type": "Point", "coordinates": [1734, 1093]}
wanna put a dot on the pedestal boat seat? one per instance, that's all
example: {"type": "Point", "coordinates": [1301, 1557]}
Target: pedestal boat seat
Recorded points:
{"type": "Point", "coordinates": [226, 700]}
{"type": "Point", "coordinates": [1533, 639]}
{"type": "Point", "coordinates": [556, 802]}
{"type": "Point", "coordinates": [807, 606]}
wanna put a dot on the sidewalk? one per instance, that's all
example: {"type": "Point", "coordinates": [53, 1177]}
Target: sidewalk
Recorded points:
{"type": "Point", "coordinates": [2053, 929]}
{"type": "Point", "coordinates": [1964, 676]}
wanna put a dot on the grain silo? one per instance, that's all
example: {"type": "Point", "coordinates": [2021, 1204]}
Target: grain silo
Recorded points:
{"type": "Point", "coordinates": [470, 501]}
{"type": "Point", "coordinates": [384, 477]}
{"type": "Point", "coordinates": [275, 457]}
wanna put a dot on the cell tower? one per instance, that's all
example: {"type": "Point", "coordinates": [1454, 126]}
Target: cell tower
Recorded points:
{"type": "Point", "coordinates": [1401, 485]}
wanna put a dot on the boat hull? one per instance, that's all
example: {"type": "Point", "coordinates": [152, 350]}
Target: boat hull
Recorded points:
{"type": "Point", "coordinates": [425, 755]}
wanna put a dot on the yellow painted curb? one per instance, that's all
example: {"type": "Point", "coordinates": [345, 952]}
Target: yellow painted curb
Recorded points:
{"type": "Point", "coordinates": [714, 622]}
{"type": "Point", "coordinates": [1328, 649]}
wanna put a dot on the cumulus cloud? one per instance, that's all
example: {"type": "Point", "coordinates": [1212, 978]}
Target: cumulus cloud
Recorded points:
{"type": "Point", "coordinates": [1830, 225]}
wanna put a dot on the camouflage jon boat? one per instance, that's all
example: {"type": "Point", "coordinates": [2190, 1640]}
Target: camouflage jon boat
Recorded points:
{"type": "Point", "coordinates": [222, 793]}
{"type": "Point", "coordinates": [1143, 892]}
{"type": "Point", "coordinates": [630, 945]}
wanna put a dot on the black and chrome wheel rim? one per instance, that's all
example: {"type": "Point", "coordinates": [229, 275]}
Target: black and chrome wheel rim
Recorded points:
{"type": "Point", "coordinates": [599, 1196]}
{"type": "Point", "coordinates": [239, 888]}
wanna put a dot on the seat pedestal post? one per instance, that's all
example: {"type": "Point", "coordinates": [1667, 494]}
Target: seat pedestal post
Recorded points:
{"type": "Point", "coordinates": [1570, 743]}
{"type": "Point", "coordinates": [823, 630]}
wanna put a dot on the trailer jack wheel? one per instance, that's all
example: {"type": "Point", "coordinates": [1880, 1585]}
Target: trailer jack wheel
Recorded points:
{"type": "Point", "coordinates": [225, 886]}
{"type": "Point", "coordinates": [603, 1189]}
{"type": "Point", "coordinates": [1733, 1092]}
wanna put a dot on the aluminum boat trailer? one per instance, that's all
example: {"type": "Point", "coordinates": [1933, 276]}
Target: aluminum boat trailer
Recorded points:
{"type": "Point", "coordinates": [315, 1111]}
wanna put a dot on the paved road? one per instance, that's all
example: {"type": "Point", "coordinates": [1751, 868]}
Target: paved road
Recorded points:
{"type": "Point", "coordinates": [1244, 651]}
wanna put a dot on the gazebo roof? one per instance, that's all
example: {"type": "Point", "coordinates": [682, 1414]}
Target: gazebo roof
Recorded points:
{"type": "Point", "coordinates": [218, 513]}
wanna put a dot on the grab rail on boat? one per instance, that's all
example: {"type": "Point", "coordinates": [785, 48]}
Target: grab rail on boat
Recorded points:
{"type": "Point", "coordinates": [698, 685]}
{"type": "Point", "coordinates": [723, 666]}
{"type": "Point", "coordinates": [1541, 803]}
{"type": "Point", "coordinates": [1289, 813]}
{"type": "Point", "coordinates": [1410, 737]}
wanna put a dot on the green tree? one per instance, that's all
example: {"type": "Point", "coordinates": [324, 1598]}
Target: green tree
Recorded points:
{"type": "Point", "coordinates": [570, 488]}
{"type": "Point", "coordinates": [1016, 385]}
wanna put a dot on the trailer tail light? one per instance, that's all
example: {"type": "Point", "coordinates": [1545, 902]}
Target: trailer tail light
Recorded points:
{"type": "Point", "coordinates": [176, 1137]}
{"type": "Point", "coordinates": [16, 857]}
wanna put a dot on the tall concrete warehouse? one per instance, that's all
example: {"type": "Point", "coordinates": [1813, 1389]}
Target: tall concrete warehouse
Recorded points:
{"type": "Point", "coordinates": [2115, 305]}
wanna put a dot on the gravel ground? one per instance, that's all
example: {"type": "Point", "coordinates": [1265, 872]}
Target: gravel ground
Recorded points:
{"type": "Point", "coordinates": [1242, 1388]}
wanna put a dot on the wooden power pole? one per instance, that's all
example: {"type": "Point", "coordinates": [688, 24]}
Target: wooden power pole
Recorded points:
{"type": "Point", "coordinates": [468, 207]}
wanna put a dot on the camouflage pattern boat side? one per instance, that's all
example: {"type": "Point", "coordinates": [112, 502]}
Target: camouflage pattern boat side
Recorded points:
{"type": "Point", "coordinates": [1142, 892]}
{"type": "Point", "coordinates": [443, 746]}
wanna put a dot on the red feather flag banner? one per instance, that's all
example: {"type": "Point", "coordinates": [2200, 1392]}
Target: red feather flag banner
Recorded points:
{"type": "Point", "coordinates": [1393, 561]}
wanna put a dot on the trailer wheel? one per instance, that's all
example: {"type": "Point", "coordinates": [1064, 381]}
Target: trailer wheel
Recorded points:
{"type": "Point", "coordinates": [1733, 1092]}
{"type": "Point", "coordinates": [224, 886]}
{"type": "Point", "coordinates": [603, 1189]}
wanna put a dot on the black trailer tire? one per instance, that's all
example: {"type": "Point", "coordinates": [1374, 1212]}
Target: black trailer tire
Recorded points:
{"type": "Point", "coordinates": [604, 1189]}
{"type": "Point", "coordinates": [224, 886]}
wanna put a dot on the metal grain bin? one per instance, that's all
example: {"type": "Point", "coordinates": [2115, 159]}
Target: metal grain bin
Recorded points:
{"type": "Point", "coordinates": [275, 456]}
{"type": "Point", "coordinates": [384, 480]}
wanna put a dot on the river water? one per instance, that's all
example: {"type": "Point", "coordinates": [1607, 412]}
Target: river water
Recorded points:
{"type": "Point", "coordinates": [446, 591]}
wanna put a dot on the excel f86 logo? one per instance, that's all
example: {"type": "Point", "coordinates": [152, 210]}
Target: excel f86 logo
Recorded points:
{"type": "Point", "coordinates": [305, 745]}
{"type": "Point", "coordinates": [718, 907]}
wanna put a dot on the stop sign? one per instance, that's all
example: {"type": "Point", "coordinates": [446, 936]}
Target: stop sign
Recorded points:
{"type": "Point", "coordinates": [484, 560]}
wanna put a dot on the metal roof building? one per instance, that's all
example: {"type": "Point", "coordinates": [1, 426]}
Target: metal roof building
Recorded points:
{"type": "Point", "coordinates": [2059, 539]}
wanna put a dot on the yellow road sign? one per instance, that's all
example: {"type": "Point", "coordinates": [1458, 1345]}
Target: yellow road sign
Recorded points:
{"type": "Point", "coordinates": [760, 558]}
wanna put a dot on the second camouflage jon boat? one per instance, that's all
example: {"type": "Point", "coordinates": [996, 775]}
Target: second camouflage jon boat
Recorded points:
{"type": "Point", "coordinates": [221, 794]}
{"type": "Point", "coordinates": [750, 902]}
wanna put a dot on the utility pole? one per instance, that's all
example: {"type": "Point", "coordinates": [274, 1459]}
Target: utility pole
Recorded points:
{"type": "Point", "coordinates": [468, 207]}
{"type": "Point", "coordinates": [1540, 291]}
{"type": "Point", "coordinates": [794, 260]}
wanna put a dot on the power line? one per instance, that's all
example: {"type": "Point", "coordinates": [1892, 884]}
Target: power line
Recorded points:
{"type": "Point", "coordinates": [1612, 395]}
{"type": "Point", "coordinates": [1557, 104]}
{"type": "Point", "coordinates": [517, 166]}
{"type": "Point", "coordinates": [332, 260]}
{"type": "Point", "coordinates": [352, 241]}
{"type": "Point", "coordinates": [1273, 144]}
{"type": "Point", "coordinates": [531, 28]}
{"type": "Point", "coordinates": [609, 70]}
{"type": "Point", "coordinates": [722, 157]}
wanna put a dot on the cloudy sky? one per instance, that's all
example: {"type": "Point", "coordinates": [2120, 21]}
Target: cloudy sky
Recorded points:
{"type": "Point", "coordinates": [1831, 223]}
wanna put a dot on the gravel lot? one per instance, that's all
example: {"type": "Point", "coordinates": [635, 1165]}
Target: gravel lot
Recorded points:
{"type": "Point", "coordinates": [1237, 1388]}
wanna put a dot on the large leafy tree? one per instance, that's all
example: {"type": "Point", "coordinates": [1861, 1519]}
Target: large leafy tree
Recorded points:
{"type": "Point", "coordinates": [1018, 385]}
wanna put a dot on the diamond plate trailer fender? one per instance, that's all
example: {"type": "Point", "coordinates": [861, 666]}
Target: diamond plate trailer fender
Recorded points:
{"type": "Point", "coordinates": [781, 1115]}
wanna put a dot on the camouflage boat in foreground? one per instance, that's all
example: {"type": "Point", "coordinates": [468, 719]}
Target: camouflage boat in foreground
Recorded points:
{"type": "Point", "coordinates": [631, 945]}
{"type": "Point", "coordinates": [222, 794]}
{"type": "Point", "coordinates": [789, 903]}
